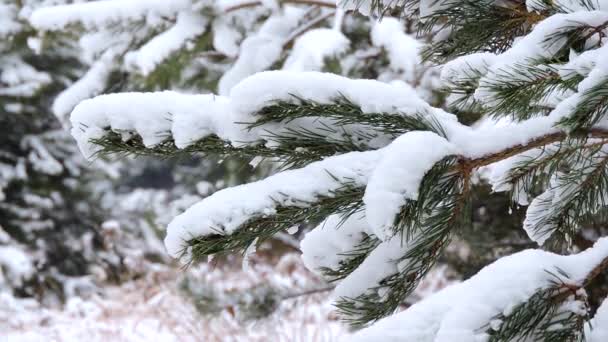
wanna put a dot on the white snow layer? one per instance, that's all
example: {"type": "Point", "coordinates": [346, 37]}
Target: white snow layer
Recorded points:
{"type": "Point", "coordinates": [329, 243]}
{"type": "Point", "coordinates": [16, 263]}
{"type": "Point", "coordinates": [379, 264]}
{"type": "Point", "coordinates": [156, 116]}
{"type": "Point", "coordinates": [222, 214]}
{"type": "Point", "coordinates": [188, 26]}
{"type": "Point", "coordinates": [458, 312]}
{"type": "Point", "coordinates": [398, 175]}
{"type": "Point", "coordinates": [91, 84]}
{"type": "Point", "coordinates": [403, 50]}
{"type": "Point", "coordinates": [312, 48]}
{"type": "Point", "coordinates": [260, 51]}
{"type": "Point", "coordinates": [598, 331]}
{"type": "Point", "coordinates": [101, 13]}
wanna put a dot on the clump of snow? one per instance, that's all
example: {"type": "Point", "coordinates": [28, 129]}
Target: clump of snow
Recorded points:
{"type": "Point", "coordinates": [260, 51]}
{"type": "Point", "coordinates": [597, 331]}
{"type": "Point", "coordinates": [372, 96]}
{"type": "Point", "coordinates": [403, 49]}
{"type": "Point", "coordinates": [15, 265]}
{"type": "Point", "coordinates": [8, 17]}
{"type": "Point", "coordinates": [379, 264]}
{"type": "Point", "coordinates": [312, 48]}
{"type": "Point", "coordinates": [329, 243]}
{"type": "Point", "coordinates": [397, 177]}
{"type": "Point", "coordinates": [19, 79]}
{"type": "Point", "coordinates": [188, 26]}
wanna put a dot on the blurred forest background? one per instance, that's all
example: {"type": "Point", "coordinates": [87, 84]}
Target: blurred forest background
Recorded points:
{"type": "Point", "coordinates": [81, 252]}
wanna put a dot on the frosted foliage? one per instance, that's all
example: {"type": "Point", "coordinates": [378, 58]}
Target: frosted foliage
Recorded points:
{"type": "Point", "coordinates": [104, 12]}
{"type": "Point", "coordinates": [295, 187]}
{"type": "Point", "coordinates": [187, 26]}
{"type": "Point", "coordinates": [192, 117]}
{"type": "Point", "coordinates": [458, 312]}
{"type": "Point", "coordinates": [261, 50]}
{"type": "Point", "coordinates": [19, 78]}
{"type": "Point", "coordinates": [202, 48]}
{"type": "Point", "coordinates": [92, 83]}
{"type": "Point", "coordinates": [16, 266]}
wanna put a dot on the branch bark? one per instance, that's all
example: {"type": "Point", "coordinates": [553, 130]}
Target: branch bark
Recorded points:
{"type": "Point", "coordinates": [537, 142]}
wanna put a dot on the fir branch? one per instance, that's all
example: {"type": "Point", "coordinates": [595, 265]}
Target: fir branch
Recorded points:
{"type": "Point", "coordinates": [591, 108]}
{"type": "Point", "coordinates": [346, 200]}
{"type": "Point", "coordinates": [537, 142]}
{"type": "Point", "coordinates": [294, 148]}
{"type": "Point", "coordinates": [464, 88]}
{"type": "Point", "coordinates": [477, 26]}
{"type": "Point", "coordinates": [518, 90]}
{"type": "Point", "coordinates": [535, 172]}
{"type": "Point", "coordinates": [574, 36]}
{"type": "Point", "coordinates": [543, 316]}
{"type": "Point", "coordinates": [344, 112]}
{"type": "Point", "coordinates": [581, 192]}
{"type": "Point", "coordinates": [440, 214]}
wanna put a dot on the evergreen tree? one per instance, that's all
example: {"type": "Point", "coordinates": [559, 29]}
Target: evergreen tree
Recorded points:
{"type": "Point", "coordinates": [50, 236]}
{"type": "Point", "coordinates": [386, 176]}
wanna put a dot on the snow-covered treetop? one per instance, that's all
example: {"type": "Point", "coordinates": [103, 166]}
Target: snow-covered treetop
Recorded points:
{"type": "Point", "coordinates": [388, 175]}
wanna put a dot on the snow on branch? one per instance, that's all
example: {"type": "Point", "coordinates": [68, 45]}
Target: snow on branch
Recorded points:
{"type": "Point", "coordinates": [498, 294]}
{"type": "Point", "coordinates": [152, 116]}
{"type": "Point", "coordinates": [266, 102]}
{"type": "Point", "coordinates": [388, 175]}
{"type": "Point", "coordinates": [188, 26]}
{"type": "Point", "coordinates": [338, 245]}
{"type": "Point", "coordinates": [401, 246]}
{"type": "Point", "coordinates": [220, 214]}
{"type": "Point", "coordinates": [398, 177]}
{"type": "Point", "coordinates": [597, 330]}
{"type": "Point", "coordinates": [95, 14]}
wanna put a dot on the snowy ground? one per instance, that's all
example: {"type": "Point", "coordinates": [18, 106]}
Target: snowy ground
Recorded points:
{"type": "Point", "coordinates": [153, 308]}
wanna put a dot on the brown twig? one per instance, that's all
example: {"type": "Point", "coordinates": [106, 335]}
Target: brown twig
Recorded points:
{"type": "Point", "coordinates": [597, 270]}
{"type": "Point", "coordinates": [532, 144]}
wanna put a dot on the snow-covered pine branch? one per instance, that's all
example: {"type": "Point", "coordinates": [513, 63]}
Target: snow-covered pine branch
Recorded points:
{"type": "Point", "coordinates": [534, 70]}
{"type": "Point", "coordinates": [270, 114]}
{"type": "Point", "coordinates": [532, 295]}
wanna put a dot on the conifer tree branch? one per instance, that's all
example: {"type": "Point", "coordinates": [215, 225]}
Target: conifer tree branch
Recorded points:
{"type": "Point", "coordinates": [537, 142]}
